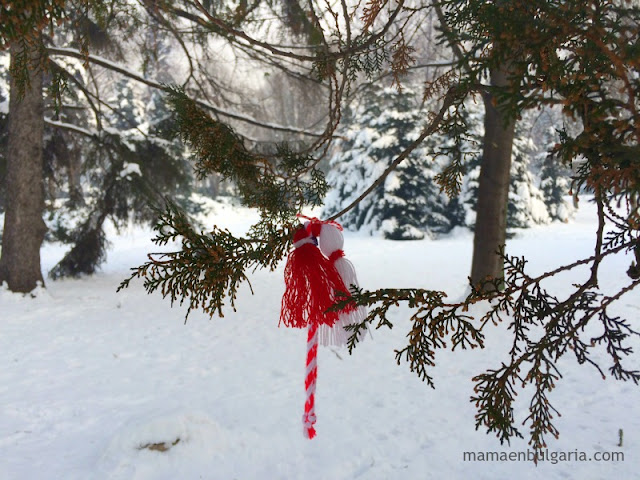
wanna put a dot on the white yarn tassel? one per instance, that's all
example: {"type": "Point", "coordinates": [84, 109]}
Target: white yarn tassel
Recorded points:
{"type": "Point", "coordinates": [331, 243]}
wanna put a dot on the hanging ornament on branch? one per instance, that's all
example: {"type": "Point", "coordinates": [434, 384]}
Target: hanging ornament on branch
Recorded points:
{"type": "Point", "coordinates": [312, 282]}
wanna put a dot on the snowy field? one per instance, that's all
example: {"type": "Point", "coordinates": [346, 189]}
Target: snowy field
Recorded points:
{"type": "Point", "coordinates": [89, 376]}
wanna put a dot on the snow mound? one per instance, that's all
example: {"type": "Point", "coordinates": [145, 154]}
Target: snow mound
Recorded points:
{"type": "Point", "coordinates": [171, 445]}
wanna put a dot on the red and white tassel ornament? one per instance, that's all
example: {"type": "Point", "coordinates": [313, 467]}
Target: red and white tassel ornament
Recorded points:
{"type": "Point", "coordinates": [311, 283]}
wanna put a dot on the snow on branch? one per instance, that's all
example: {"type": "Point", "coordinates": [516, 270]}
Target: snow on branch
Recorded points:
{"type": "Point", "coordinates": [71, 127]}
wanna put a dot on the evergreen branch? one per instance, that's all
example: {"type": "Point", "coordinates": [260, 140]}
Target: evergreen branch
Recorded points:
{"type": "Point", "coordinates": [433, 322]}
{"type": "Point", "coordinates": [70, 127]}
{"type": "Point", "coordinates": [494, 397]}
{"type": "Point", "coordinates": [529, 308]}
{"type": "Point", "coordinates": [450, 36]}
{"type": "Point", "coordinates": [61, 71]}
{"type": "Point", "coordinates": [541, 411]}
{"type": "Point", "coordinates": [280, 187]}
{"type": "Point", "coordinates": [401, 60]}
{"type": "Point", "coordinates": [209, 268]}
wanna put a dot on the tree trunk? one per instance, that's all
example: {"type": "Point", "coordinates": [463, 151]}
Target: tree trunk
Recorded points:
{"type": "Point", "coordinates": [493, 189]}
{"type": "Point", "coordinates": [24, 228]}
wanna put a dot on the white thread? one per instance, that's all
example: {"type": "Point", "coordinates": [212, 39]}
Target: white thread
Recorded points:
{"type": "Point", "coordinates": [299, 243]}
{"type": "Point", "coordinates": [331, 240]}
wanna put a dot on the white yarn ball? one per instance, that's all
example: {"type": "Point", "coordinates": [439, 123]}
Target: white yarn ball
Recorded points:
{"type": "Point", "coordinates": [330, 240]}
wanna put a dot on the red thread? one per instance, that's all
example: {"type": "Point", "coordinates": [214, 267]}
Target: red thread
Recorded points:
{"type": "Point", "coordinates": [314, 228]}
{"type": "Point", "coordinates": [310, 285]}
{"type": "Point", "coordinates": [335, 255]}
{"type": "Point", "coordinates": [316, 220]}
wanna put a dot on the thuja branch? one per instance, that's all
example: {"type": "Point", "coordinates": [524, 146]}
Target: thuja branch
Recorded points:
{"type": "Point", "coordinates": [529, 310]}
{"type": "Point", "coordinates": [279, 185]}
{"type": "Point", "coordinates": [434, 323]}
{"type": "Point", "coordinates": [209, 267]}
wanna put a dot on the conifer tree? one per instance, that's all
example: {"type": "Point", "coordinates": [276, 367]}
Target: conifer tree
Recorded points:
{"type": "Point", "coordinates": [555, 181]}
{"type": "Point", "coordinates": [127, 169]}
{"type": "Point", "coordinates": [106, 154]}
{"type": "Point", "coordinates": [526, 206]}
{"type": "Point", "coordinates": [24, 229]}
{"type": "Point", "coordinates": [409, 204]}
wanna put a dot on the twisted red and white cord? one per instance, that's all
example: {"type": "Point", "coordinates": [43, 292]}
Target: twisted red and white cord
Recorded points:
{"type": "Point", "coordinates": [311, 283]}
{"type": "Point", "coordinates": [309, 417]}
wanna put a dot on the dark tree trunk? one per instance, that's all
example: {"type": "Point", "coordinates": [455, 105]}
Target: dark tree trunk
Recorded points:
{"type": "Point", "coordinates": [493, 189]}
{"type": "Point", "coordinates": [24, 228]}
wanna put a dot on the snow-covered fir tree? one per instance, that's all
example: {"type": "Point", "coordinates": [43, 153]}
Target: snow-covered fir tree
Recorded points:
{"type": "Point", "coordinates": [129, 109]}
{"type": "Point", "coordinates": [409, 203]}
{"type": "Point", "coordinates": [470, 152]}
{"type": "Point", "coordinates": [555, 179]}
{"type": "Point", "coordinates": [127, 168]}
{"type": "Point", "coordinates": [526, 205]}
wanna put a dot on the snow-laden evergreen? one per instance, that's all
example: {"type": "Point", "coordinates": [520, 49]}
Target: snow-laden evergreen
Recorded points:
{"type": "Point", "coordinates": [129, 108]}
{"type": "Point", "coordinates": [125, 168]}
{"type": "Point", "coordinates": [555, 179]}
{"type": "Point", "coordinates": [409, 203]}
{"type": "Point", "coordinates": [526, 205]}
{"type": "Point", "coordinates": [471, 152]}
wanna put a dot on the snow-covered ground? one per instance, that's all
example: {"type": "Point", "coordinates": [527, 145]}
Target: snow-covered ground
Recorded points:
{"type": "Point", "coordinates": [89, 376]}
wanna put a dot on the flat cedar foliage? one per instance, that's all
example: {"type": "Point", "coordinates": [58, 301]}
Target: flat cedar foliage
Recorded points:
{"type": "Point", "coordinates": [20, 18]}
{"type": "Point", "coordinates": [581, 56]}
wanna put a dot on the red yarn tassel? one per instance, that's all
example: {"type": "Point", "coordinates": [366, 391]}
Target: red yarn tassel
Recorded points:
{"type": "Point", "coordinates": [310, 285]}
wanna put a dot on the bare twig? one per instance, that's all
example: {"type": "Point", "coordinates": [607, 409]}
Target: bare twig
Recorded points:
{"type": "Point", "coordinates": [123, 71]}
